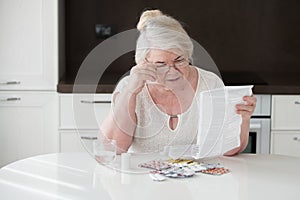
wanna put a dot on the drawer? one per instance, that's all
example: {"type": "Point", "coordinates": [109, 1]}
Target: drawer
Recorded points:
{"type": "Point", "coordinates": [286, 112]}
{"type": "Point", "coordinates": [26, 99]}
{"type": "Point", "coordinates": [286, 143]}
{"type": "Point", "coordinates": [83, 111]}
{"type": "Point", "coordinates": [77, 141]}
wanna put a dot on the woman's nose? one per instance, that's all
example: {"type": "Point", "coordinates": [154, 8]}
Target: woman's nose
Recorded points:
{"type": "Point", "coordinates": [172, 68]}
{"type": "Point", "coordinates": [171, 64]}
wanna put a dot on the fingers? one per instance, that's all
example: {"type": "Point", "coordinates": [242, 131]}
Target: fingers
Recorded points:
{"type": "Point", "coordinates": [250, 100]}
{"type": "Point", "coordinates": [242, 107]}
{"type": "Point", "coordinates": [147, 66]}
{"type": "Point", "coordinates": [247, 109]}
{"type": "Point", "coordinates": [139, 75]}
{"type": "Point", "coordinates": [145, 72]}
{"type": "Point", "coordinates": [144, 68]}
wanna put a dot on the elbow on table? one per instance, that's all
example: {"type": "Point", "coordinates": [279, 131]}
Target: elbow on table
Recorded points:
{"type": "Point", "coordinates": [234, 151]}
{"type": "Point", "coordinates": [123, 140]}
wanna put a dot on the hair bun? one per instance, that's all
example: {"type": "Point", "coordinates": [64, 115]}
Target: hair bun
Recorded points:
{"type": "Point", "coordinates": [149, 14]}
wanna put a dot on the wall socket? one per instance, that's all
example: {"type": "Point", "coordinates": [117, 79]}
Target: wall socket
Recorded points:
{"type": "Point", "coordinates": [105, 31]}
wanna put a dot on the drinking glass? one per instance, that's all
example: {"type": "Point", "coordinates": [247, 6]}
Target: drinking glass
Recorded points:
{"type": "Point", "coordinates": [105, 150]}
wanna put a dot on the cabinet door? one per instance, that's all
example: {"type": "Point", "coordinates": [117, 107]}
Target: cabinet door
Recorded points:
{"type": "Point", "coordinates": [285, 112]}
{"type": "Point", "coordinates": [80, 117]}
{"type": "Point", "coordinates": [77, 140]}
{"type": "Point", "coordinates": [29, 44]}
{"type": "Point", "coordinates": [286, 143]}
{"type": "Point", "coordinates": [83, 111]}
{"type": "Point", "coordinates": [28, 125]}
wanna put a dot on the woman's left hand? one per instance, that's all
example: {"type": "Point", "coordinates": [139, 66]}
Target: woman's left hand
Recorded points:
{"type": "Point", "coordinates": [247, 109]}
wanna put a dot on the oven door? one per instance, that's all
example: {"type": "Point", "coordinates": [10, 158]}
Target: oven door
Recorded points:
{"type": "Point", "coordinates": [259, 136]}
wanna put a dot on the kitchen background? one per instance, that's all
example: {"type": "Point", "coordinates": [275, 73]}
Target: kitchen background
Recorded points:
{"type": "Point", "coordinates": [43, 43]}
{"type": "Point", "coordinates": [251, 41]}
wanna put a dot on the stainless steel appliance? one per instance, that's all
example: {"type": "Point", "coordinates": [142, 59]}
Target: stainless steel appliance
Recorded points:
{"type": "Point", "coordinates": [260, 126]}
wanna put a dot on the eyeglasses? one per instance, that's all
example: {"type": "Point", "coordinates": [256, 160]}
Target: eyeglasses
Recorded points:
{"type": "Point", "coordinates": [164, 68]}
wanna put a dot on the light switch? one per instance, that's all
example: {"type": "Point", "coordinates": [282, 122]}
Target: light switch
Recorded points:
{"type": "Point", "coordinates": [104, 31]}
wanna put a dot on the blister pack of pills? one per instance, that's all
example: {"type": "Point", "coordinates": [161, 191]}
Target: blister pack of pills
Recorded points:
{"type": "Point", "coordinates": [181, 168]}
{"type": "Point", "coordinates": [215, 169]}
{"type": "Point", "coordinates": [156, 165]}
{"type": "Point", "coordinates": [177, 172]}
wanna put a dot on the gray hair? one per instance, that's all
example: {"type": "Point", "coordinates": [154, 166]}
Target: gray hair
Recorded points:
{"type": "Point", "coordinates": [158, 31]}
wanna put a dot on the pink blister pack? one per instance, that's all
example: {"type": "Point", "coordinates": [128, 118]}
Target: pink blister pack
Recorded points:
{"type": "Point", "coordinates": [156, 165]}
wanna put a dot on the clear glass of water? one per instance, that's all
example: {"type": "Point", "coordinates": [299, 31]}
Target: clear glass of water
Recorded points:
{"type": "Point", "coordinates": [105, 150]}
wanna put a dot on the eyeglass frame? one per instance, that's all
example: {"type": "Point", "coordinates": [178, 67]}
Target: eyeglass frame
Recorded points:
{"type": "Point", "coordinates": [165, 67]}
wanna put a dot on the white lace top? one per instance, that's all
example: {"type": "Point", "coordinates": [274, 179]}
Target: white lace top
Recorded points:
{"type": "Point", "coordinates": [153, 132]}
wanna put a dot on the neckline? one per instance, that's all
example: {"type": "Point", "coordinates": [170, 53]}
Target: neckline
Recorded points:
{"type": "Point", "coordinates": [177, 125]}
{"type": "Point", "coordinates": [183, 113]}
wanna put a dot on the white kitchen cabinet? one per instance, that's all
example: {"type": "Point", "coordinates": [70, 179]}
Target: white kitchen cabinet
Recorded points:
{"type": "Point", "coordinates": [286, 112]}
{"type": "Point", "coordinates": [80, 118]}
{"type": "Point", "coordinates": [77, 140]}
{"type": "Point", "coordinates": [28, 125]}
{"type": "Point", "coordinates": [83, 111]}
{"type": "Point", "coordinates": [286, 143]}
{"type": "Point", "coordinates": [28, 78]}
{"type": "Point", "coordinates": [29, 44]}
{"type": "Point", "coordinates": [285, 133]}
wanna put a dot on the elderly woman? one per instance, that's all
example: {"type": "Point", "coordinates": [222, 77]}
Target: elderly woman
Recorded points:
{"type": "Point", "coordinates": [156, 105]}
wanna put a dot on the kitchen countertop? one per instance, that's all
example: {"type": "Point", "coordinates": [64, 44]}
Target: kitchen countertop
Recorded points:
{"type": "Point", "coordinates": [64, 87]}
{"type": "Point", "coordinates": [109, 88]}
{"type": "Point", "coordinates": [78, 176]}
{"type": "Point", "coordinates": [264, 83]}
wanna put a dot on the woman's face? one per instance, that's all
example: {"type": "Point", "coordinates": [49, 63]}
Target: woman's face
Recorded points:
{"type": "Point", "coordinates": [171, 67]}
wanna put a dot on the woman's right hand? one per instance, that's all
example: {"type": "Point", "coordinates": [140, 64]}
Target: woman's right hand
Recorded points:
{"type": "Point", "coordinates": [139, 74]}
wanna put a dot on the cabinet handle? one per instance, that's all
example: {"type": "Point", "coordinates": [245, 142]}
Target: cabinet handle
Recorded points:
{"type": "Point", "coordinates": [297, 102]}
{"type": "Point", "coordinates": [94, 102]}
{"type": "Point", "coordinates": [296, 139]}
{"type": "Point", "coordinates": [11, 99]}
{"type": "Point", "coordinates": [88, 138]}
{"type": "Point", "coordinates": [10, 83]}
{"type": "Point", "coordinates": [255, 126]}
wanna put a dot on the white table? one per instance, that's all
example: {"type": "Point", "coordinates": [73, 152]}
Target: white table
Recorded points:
{"type": "Point", "coordinates": [78, 176]}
